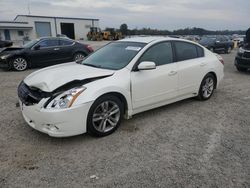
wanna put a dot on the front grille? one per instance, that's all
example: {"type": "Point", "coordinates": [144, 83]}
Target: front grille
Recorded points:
{"type": "Point", "coordinates": [27, 95]}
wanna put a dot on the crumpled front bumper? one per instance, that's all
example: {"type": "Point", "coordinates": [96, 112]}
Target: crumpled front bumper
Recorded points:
{"type": "Point", "coordinates": [57, 122]}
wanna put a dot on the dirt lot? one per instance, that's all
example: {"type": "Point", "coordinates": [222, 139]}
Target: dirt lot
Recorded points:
{"type": "Point", "coordinates": [186, 144]}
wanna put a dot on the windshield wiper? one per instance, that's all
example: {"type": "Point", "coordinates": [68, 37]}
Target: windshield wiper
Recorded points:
{"type": "Point", "coordinates": [91, 65]}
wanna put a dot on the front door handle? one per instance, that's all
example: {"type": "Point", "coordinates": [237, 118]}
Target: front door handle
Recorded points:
{"type": "Point", "coordinates": [172, 73]}
{"type": "Point", "coordinates": [56, 48]}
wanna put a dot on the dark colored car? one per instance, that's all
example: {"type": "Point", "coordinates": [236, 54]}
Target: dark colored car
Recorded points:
{"type": "Point", "coordinates": [217, 43]}
{"type": "Point", "coordinates": [5, 43]}
{"type": "Point", "coordinates": [242, 59]}
{"type": "Point", "coordinates": [43, 52]}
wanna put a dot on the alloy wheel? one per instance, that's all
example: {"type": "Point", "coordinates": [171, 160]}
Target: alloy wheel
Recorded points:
{"type": "Point", "coordinates": [20, 64]}
{"type": "Point", "coordinates": [79, 57]}
{"type": "Point", "coordinates": [208, 87]}
{"type": "Point", "coordinates": [106, 116]}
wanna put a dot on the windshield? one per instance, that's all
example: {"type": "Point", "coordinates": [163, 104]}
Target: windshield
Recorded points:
{"type": "Point", "coordinates": [30, 43]}
{"type": "Point", "coordinates": [114, 56]}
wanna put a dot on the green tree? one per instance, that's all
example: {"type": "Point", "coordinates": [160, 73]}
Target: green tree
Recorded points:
{"type": "Point", "coordinates": [124, 29]}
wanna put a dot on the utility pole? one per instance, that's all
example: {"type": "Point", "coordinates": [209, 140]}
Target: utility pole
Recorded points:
{"type": "Point", "coordinates": [29, 7]}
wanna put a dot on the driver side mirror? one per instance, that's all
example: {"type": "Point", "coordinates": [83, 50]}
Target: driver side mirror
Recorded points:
{"type": "Point", "coordinates": [147, 65]}
{"type": "Point", "coordinates": [37, 47]}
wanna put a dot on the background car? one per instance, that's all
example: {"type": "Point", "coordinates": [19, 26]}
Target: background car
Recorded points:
{"type": "Point", "coordinates": [5, 43]}
{"type": "Point", "coordinates": [43, 52]}
{"type": "Point", "coordinates": [217, 43]}
{"type": "Point", "coordinates": [119, 80]}
{"type": "Point", "coordinates": [242, 59]}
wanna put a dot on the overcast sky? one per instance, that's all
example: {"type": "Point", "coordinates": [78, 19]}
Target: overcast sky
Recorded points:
{"type": "Point", "coordinates": [161, 14]}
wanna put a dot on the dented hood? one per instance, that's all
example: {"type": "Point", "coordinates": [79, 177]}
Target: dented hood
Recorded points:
{"type": "Point", "coordinates": [51, 78]}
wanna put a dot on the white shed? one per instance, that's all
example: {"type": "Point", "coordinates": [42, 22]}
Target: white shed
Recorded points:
{"type": "Point", "coordinates": [27, 27]}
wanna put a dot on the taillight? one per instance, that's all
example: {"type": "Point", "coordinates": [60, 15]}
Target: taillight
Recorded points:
{"type": "Point", "coordinates": [89, 48]}
{"type": "Point", "coordinates": [220, 59]}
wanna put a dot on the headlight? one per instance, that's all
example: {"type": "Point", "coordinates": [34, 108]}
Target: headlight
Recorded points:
{"type": "Point", "coordinates": [5, 56]}
{"type": "Point", "coordinates": [241, 50]}
{"type": "Point", "coordinates": [66, 99]}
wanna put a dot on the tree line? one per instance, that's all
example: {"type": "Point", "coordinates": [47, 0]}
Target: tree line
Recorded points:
{"type": "Point", "coordinates": [187, 31]}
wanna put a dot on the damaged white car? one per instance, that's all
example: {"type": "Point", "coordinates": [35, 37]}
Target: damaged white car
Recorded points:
{"type": "Point", "coordinates": [119, 80]}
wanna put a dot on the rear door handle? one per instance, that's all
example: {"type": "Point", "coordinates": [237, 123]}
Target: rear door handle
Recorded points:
{"type": "Point", "coordinates": [56, 48]}
{"type": "Point", "coordinates": [172, 73]}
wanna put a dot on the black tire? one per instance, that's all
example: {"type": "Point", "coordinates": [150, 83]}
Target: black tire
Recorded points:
{"type": "Point", "coordinates": [241, 69]}
{"type": "Point", "coordinates": [202, 96]}
{"type": "Point", "coordinates": [77, 55]}
{"type": "Point", "coordinates": [92, 127]}
{"type": "Point", "coordinates": [19, 64]}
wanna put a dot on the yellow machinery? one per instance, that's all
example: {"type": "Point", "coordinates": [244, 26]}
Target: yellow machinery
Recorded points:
{"type": "Point", "coordinates": [111, 34]}
{"type": "Point", "coordinates": [94, 34]}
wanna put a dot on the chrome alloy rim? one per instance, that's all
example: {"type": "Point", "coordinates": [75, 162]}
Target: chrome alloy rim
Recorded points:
{"type": "Point", "coordinates": [20, 64]}
{"type": "Point", "coordinates": [79, 57]}
{"type": "Point", "coordinates": [208, 87]}
{"type": "Point", "coordinates": [106, 116]}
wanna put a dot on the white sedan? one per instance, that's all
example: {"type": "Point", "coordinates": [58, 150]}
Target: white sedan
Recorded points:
{"type": "Point", "coordinates": [119, 80]}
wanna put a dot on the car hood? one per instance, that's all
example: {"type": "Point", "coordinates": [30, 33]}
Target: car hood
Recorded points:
{"type": "Point", "coordinates": [51, 78]}
{"type": "Point", "coordinates": [11, 50]}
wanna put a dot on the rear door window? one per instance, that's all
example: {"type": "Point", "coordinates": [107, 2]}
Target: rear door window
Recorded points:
{"type": "Point", "coordinates": [49, 43]}
{"type": "Point", "coordinates": [185, 51]}
{"type": "Point", "coordinates": [200, 51]}
{"type": "Point", "coordinates": [64, 42]}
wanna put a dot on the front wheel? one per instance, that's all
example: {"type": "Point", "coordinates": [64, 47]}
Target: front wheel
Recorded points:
{"type": "Point", "coordinates": [19, 64]}
{"type": "Point", "coordinates": [207, 87]}
{"type": "Point", "coordinates": [104, 116]}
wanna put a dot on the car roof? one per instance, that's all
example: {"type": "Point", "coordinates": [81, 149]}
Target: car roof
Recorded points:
{"type": "Point", "coordinates": [41, 38]}
{"type": "Point", "coordinates": [148, 40]}
{"type": "Point", "coordinates": [144, 39]}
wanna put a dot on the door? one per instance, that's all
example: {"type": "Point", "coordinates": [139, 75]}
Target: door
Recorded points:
{"type": "Point", "coordinates": [68, 30]}
{"type": "Point", "coordinates": [43, 29]}
{"type": "Point", "coordinates": [67, 48]}
{"type": "Point", "coordinates": [220, 42]}
{"type": "Point", "coordinates": [47, 54]}
{"type": "Point", "coordinates": [7, 34]}
{"type": "Point", "coordinates": [191, 67]}
{"type": "Point", "coordinates": [150, 87]}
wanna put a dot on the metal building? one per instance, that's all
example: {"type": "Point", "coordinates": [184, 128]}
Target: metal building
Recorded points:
{"type": "Point", "coordinates": [27, 27]}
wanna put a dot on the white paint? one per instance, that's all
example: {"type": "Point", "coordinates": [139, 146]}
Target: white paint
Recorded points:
{"type": "Point", "coordinates": [143, 90]}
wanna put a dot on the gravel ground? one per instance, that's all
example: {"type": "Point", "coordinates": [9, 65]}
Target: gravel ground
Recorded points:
{"type": "Point", "coordinates": [185, 144]}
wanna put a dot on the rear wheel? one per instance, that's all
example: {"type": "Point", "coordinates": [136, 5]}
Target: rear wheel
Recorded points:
{"type": "Point", "coordinates": [105, 116]}
{"type": "Point", "coordinates": [240, 69]}
{"type": "Point", "coordinates": [207, 87]}
{"type": "Point", "coordinates": [19, 64]}
{"type": "Point", "coordinates": [79, 56]}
